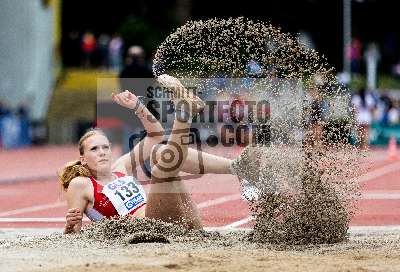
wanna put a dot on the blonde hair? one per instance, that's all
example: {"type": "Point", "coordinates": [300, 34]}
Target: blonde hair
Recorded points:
{"type": "Point", "coordinates": [75, 168]}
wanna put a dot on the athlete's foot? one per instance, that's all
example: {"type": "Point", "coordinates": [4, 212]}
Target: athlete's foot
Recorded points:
{"type": "Point", "coordinates": [247, 165]}
{"type": "Point", "coordinates": [249, 191]}
{"type": "Point", "coordinates": [245, 158]}
{"type": "Point", "coordinates": [181, 95]}
{"type": "Point", "coordinates": [249, 168]}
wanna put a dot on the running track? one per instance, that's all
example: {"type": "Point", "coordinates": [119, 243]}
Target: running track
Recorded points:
{"type": "Point", "coordinates": [30, 195]}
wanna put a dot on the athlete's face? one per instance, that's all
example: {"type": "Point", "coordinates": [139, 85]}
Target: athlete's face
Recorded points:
{"type": "Point", "coordinates": [97, 154]}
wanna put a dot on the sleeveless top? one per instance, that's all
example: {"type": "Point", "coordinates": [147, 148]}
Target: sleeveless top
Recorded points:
{"type": "Point", "coordinates": [103, 207]}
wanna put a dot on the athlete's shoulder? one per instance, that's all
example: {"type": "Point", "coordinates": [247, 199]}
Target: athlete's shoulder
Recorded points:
{"type": "Point", "coordinates": [79, 182]}
{"type": "Point", "coordinates": [123, 164]}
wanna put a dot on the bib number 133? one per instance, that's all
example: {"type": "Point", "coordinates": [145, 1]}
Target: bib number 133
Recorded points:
{"type": "Point", "coordinates": [127, 191]}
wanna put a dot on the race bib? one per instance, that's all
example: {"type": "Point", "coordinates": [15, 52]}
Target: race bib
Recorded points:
{"type": "Point", "coordinates": [126, 194]}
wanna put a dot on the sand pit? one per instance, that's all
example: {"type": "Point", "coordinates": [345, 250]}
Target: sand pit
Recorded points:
{"type": "Point", "coordinates": [364, 251]}
{"type": "Point", "coordinates": [293, 225]}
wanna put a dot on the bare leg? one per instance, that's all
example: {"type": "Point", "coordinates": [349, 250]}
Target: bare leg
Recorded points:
{"type": "Point", "coordinates": [168, 200]}
{"type": "Point", "coordinates": [211, 163]}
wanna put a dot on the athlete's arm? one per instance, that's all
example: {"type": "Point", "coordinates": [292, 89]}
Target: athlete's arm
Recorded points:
{"type": "Point", "coordinates": [77, 200]}
{"type": "Point", "coordinates": [150, 123]}
{"type": "Point", "coordinates": [129, 162]}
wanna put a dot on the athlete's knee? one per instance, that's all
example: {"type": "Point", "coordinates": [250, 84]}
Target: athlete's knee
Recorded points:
{"type": "Point", "coordinates": [163, 176]}
{"type": "Point", "coordinates": [167, 154]}
{"type": "Point", "coordinates": [155, 154]}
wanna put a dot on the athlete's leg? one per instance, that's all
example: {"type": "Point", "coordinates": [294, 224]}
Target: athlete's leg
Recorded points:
{"type": "Point", "coordinates": [168, 199]}
{"type": "Point", "coordinates": [210, 163]}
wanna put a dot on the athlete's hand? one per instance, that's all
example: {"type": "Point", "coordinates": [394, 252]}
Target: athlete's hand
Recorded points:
{"type": "Point", "coordinates": [73, 217]}
{"type": "Point", "coordinates": [125, 99]}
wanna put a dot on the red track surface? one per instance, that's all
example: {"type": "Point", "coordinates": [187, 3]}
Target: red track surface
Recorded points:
{"type": "Point", "coordinates": [38, 196]}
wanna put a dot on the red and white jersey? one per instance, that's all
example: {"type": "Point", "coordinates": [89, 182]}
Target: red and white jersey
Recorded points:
{"type": "Point", "coordinates": [123, 196]}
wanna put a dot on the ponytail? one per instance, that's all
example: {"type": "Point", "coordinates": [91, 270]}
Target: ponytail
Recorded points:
{"type": "Point", "coordinates": [72, 170]}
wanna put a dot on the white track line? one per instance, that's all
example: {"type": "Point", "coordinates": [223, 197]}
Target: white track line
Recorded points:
{"type": "Point", "coordinates": [27, 179]}
{"type": "Point", "coordinates": [378, 172]}
{"type": "Point", "coordinates": [381, 196]}
{"type": "Point", "coordinates": [33, 208]}
{"type": "Point", "coordinates": [218, 201]}
{"type": "Point", "coordinates": [238, 223]}
{"type": "Point", "coordinates": [372, 229]}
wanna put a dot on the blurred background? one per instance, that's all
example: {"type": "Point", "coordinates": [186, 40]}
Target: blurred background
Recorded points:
{"type": "Point", "coordinates": [53, 51]}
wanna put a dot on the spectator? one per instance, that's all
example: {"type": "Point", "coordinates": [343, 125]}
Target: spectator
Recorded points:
{"type": "Point", "coordinates": [396, 69]}
{"type": "Point", "coordinates": [25, 126]}
{"type": "Point", "coordinates": [355, 55]}
{"type": "Point", "coordinates": [135, 64]}
{"type": "Point", "coordinates": [115, 52]}
{"type": "Point", "coordinates": [372, 57]}
{"type": "Point", "coordinates": [103, 43]}
{"type": "Point", "coordinates": [3, 109]}
{"type": "Point", "coordinates": [88, 48]}
{"type": "Point", "coordinates": [382, 108]}
{"type": "Point", "coordinates": [3, 112]}
{"type": "Point", "coordinates": [10, 130]}
{"type": "Point", "coordinates": [364, 104]}
{"type": "Point", "coordinates": [393, 113]}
